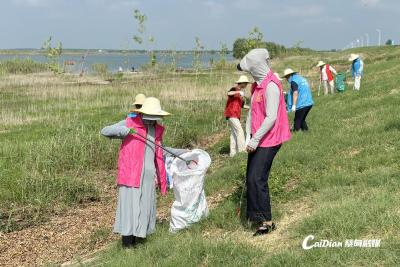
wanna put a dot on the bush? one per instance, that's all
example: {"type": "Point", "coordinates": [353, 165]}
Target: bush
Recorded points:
{"type": "Point", "coordinates": [21, 66]}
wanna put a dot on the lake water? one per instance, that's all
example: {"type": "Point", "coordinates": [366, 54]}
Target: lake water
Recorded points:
{"type": "Point", "coordinates": [116, 60]}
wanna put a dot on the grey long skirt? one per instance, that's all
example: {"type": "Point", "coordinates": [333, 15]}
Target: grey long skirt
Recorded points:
{"type": "Point", "coordinates": [136, 208]}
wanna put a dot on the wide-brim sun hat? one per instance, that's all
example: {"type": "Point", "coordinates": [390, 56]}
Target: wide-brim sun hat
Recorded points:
{"type": "Point", "coordinates": [353, 57]}
{"type": "Point", "coordinates": [288, 72]}
{"type": "Point", "coordinates": [243, 79]}
{"type": "Point", "coordinates": [320, 63]}
{"type": "Point", "coordinates": [139, 99]}
{"type": "Point", "coordinates": [152, 106]}
{"type": "Point", "coordinates": [277, 76]}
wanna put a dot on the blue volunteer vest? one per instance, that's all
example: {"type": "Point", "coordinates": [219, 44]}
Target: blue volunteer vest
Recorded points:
{"type": "Point", "coordinates": [356, 68]}
{"type": "Point", "coordinates": [304, 98]}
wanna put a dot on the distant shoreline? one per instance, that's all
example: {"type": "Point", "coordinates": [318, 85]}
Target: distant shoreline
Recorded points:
{"type": "Point", "coordinates": [100, 51]}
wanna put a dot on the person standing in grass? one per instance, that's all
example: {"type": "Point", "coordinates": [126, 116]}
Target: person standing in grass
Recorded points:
{"type": "Point", "coordinates": [357, 69]}
{"type": "Point", "coordinates": [139, 162]}
{"type": "Point", "coordinates": [299, 98]}
{"type": "Point", "coordinates": [233, 111]}
{"type": "Point", "coordinates": [326, 77]}
{"type": "Point", "coordinates": [267, 127]}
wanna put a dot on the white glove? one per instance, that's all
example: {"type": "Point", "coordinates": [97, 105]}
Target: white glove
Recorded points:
{"type": "Point", "coordinates": [293, 108]}
{"type": "Point", "coordinates": [241, 94]}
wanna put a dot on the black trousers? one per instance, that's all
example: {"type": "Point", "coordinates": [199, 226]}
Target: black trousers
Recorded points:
{"type": "Point", "coordinates": [300, 119]}
{"type": "Point", "coordinates": [258, 200]}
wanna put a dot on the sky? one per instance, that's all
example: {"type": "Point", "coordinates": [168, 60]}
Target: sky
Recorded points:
{"type": "Point", "coordinates": [109, 24]}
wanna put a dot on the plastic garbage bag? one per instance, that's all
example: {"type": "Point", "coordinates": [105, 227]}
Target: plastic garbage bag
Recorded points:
{"type": "Point", "coordinates": [340, 82]}
{"type": "Point", "coordinates": [190, 204]}
{"type": "Point", "coordinates": [169, 158]}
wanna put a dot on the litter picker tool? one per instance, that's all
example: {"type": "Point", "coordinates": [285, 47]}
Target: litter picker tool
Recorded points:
{"type": "Point", "coordinates": [238, 209]}
{"type": "Point", "coordinates": [189, 163]}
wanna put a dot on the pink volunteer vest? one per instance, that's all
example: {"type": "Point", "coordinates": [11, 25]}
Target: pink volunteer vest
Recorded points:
{"type": "Point", "coordinates": [131, 156]}
{"type": "Point", "coordinates": [280, 132]}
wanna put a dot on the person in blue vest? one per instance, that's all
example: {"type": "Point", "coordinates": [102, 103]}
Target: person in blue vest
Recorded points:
{"type": "Point", "coordinates": [299, 98]}
{"type": "Point", "coordinates": [357, 69]}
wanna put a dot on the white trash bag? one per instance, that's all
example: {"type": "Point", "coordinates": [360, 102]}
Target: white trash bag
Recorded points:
{"type": "Point", "coordinates": [190, 204]}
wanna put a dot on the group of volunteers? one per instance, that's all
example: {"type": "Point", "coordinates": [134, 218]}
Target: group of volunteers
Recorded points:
{"type": "Point", "coordinates": [141, 160]}
{"type": "Point", "coordinates": [298, 99]}
{"type": "Point", "coordinates": [267, 125]}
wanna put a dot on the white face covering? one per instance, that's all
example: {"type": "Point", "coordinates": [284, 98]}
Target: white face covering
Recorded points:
{"type": "Point", "coordinates": [256, 62]}
{"type": "Point", "coordinates": [152, 117]}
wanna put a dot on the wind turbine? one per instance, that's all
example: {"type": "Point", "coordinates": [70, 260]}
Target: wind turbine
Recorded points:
{"type": "Point", "coordinates": [379, 36]}
{"type": "Point", "coordinates": [367, 35]}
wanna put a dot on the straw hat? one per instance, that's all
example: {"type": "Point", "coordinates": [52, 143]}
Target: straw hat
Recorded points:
{"type": "Point", "coordinates": [277, 76]}
{"type": "Point", "coordinates": [139, 99]}
{"type": "Point", "coordinates": [320, 63]}
{"type": "Point", "coordinates": [243, 79]}
{"type": "Point", "coordinates": [152, 106]}
{"type": "Point", "coordinates": [288, 72]}
{"type": "Point", "coordinates": [353, 57]}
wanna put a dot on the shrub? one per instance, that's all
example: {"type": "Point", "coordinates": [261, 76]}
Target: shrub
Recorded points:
{"type": "Point", "coordinates": [21, 66]}
{"type": "Point", "coordinates": [100, 69]}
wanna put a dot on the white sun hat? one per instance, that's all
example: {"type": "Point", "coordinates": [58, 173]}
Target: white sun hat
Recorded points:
{"type": "Point", "coordinates": [320, 63]}
{"type": "Point", "coordinates": [353, 57]}
{"type": "Point", "coordinates": [139, 99]}
{"type": "Point", "coordinates": [288, 72]}
{"type": "Point", "coordinates": [152, 106]}
{"type": "Point", "coordinates": [243, 79]}
{"type": "Point", "coordinates": [277, 76]}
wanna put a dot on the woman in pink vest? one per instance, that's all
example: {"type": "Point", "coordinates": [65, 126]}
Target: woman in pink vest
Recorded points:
{"type": "Point", "coordinates": [267, 127]}
{"type": "Point", "coordinates": [139, 162]}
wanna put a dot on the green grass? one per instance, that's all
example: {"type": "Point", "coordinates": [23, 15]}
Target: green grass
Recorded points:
{"type": "Point", "coordinates": [51, 152]}
{"type": "Point", "coordinates": [347, 167]}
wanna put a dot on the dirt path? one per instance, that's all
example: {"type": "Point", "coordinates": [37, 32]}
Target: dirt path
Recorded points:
{"type": "Point", "coordinates": [78, 232]}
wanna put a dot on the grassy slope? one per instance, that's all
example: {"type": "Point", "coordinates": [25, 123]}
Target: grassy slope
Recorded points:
{"type": "Point", "coordinates": [344, 176]}
{"type": "Point", "coordinates": [51, 152]}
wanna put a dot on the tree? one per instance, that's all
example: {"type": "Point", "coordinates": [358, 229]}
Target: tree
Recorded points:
{"type": "Point", "coordinates": [223, 52]}
{"type": "Point", "coordinates": [243, 45]}
{"type": "Point", "coordinates": [255, 39]}
{"type": "Point", "coordinates": [53, 55]}
{"type": "Point", "coordinates": [240, 48]}
{"type": "Point", "coordinates": [197, 55]}
{"type": "Point", "coordinates": [142, 37]}
{"type": "Point", "coordinates": [389, 42]}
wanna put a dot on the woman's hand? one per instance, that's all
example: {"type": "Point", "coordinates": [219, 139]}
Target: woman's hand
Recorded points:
{"type": "Point", "coordinates": [249, 149]}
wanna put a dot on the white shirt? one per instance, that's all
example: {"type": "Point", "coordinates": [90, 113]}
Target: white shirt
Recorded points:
{"type": "Point", "coordinates": [323, 72]}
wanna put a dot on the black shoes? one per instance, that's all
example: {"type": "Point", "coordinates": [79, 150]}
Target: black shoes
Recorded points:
{"type": "Point", "coordinates": [265, 229]}
{"type": "Point", "coordinates": [128, 241]}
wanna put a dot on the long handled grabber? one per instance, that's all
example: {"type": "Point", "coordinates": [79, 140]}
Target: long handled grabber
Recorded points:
{"type": "Point", "coordinates": [238, 209]}
{"type": "Point", "coordinates": [189, 163]}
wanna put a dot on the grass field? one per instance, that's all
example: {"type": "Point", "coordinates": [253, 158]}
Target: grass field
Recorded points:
{"type": "Point", "coordinates": [337, 182]}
